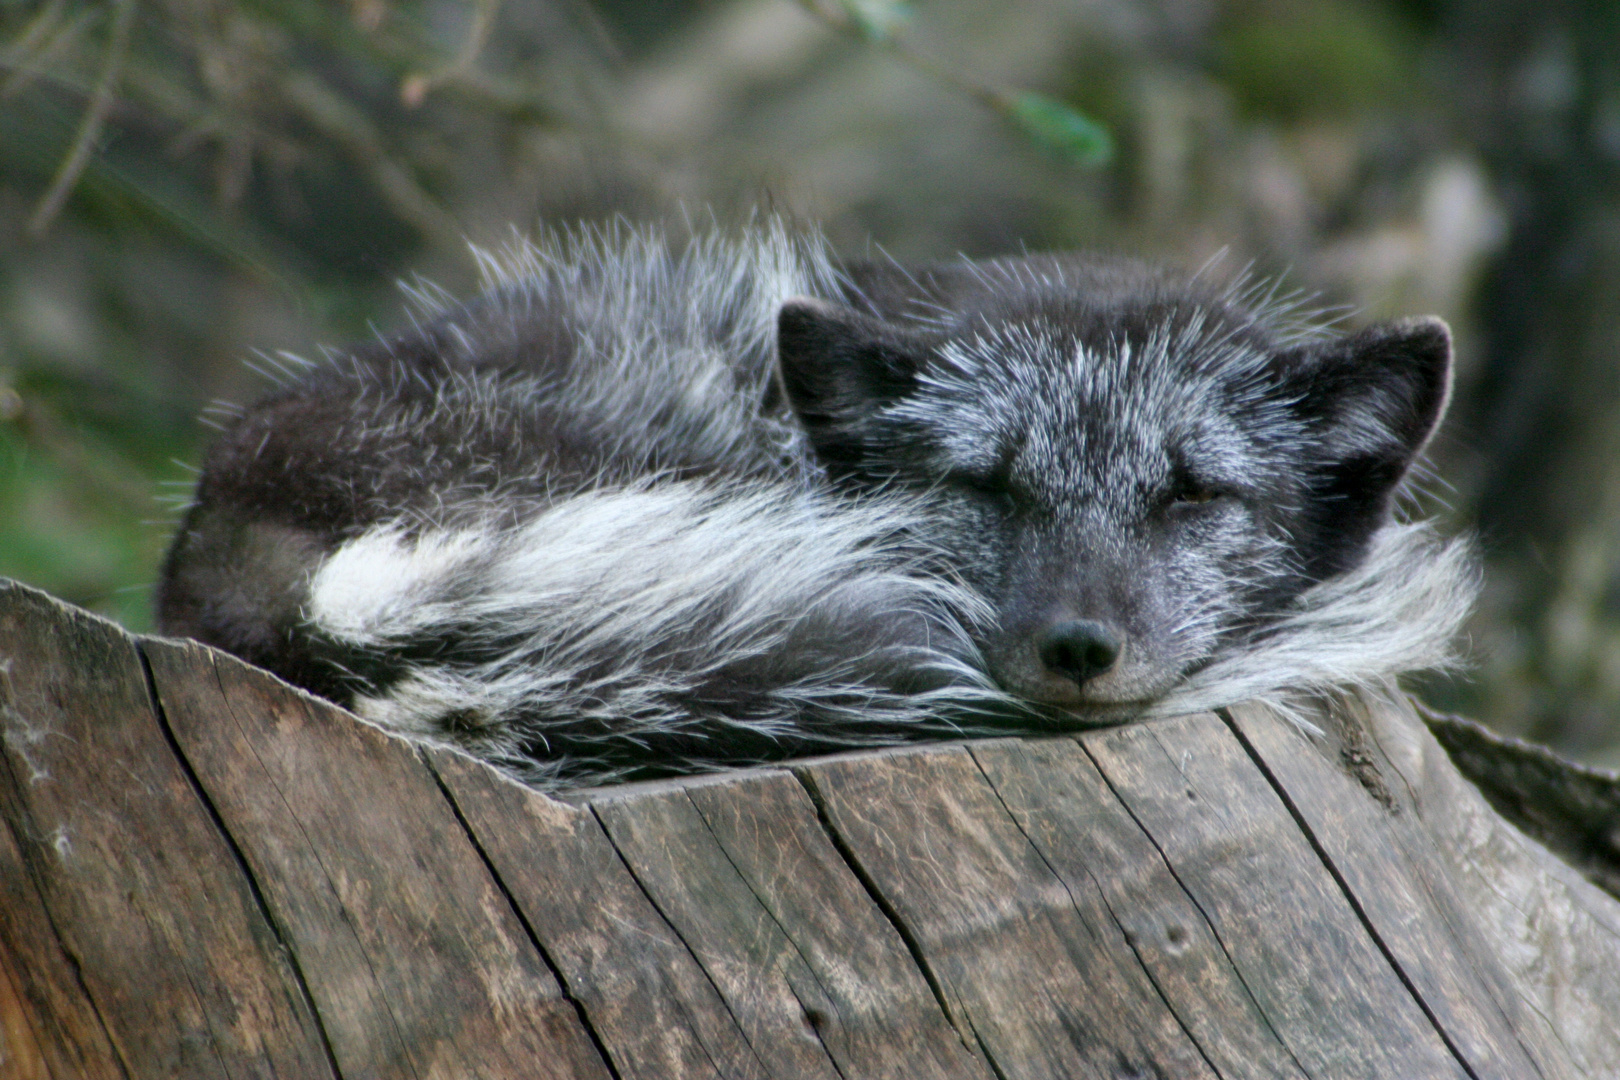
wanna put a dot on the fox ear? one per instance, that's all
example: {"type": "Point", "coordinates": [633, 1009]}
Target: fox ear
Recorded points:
{"type": "Point", "coordinates": [1373, 400]}
{"type": "Point", "coordinates": [839, 368]}
{"type": "Point", "coordinates": [1378, 395]}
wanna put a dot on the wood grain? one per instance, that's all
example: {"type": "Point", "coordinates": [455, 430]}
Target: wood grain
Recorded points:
{"type": "Point", "coordinates": [1066, 809]}
{"type": "Point", "coordinates": [1042, 976]}
{"type": "Point", "coordinates": [1556, 934]}
{"type": "Point", "coordinates": [1323, 984]}
{"type": "Point", "coordinates": [169, 949]}
{"type": "Point", "coordinates": [1407, 900]}
{"type": "Point", "coordinates": [204, 873]}
{"type": "Point", "coordinates": [651, 1004]}
{"type": "Point", "coordinates": [48, 1025]}
{"type": "Point", "coordinates": [770, 987]}
{"type": "Point", "coordinates": [884, 1020]}
{"type": "Point", "coordinates": [413, 956]}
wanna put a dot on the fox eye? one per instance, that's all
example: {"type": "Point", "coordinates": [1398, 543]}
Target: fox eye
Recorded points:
{"type": "Point", "coordinates": [1186, 491]}
{"type": "Point", "coordinates": [994, 487]}
{"type": "Point", "coordinates": [991, 481]}
{"type": "Point", "coordinates": [1194, 496]}
{"type": "Point", "coordinates": [987, 484]}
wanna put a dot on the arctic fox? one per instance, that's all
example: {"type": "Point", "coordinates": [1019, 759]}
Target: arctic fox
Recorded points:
{"type": "Point", "coordinates": [646, 508]}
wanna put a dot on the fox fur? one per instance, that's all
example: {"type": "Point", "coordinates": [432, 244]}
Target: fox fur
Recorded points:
{"type": "Point", "coordinates": [645, 508]}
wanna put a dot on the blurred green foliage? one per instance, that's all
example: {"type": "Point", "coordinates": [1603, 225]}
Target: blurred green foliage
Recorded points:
{"type": "Point", "coordinates": [156, 159]}
{"type": "Point", "coordinates": [1298, 59]}
{"type": "Point", "coordinates": [1062, 129]}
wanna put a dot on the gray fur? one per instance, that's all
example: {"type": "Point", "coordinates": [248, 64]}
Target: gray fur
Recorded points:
{"type": "Point", "coordinates": [591, 527]}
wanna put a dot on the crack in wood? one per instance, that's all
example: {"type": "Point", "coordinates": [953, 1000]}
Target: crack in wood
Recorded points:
{"type": "Point", "coordinates": [1103, 899]}
{"type": "Point", "coordinates": [697, 959]}
{"type": "Point", "coordinates": [1215, 935]}
{"type": "Point", "coordinates": [27, 854]}
{"type": "Point", "coordinates": [242, 865]}
{"type": "Point", "coordinates": [808, 964]}
{"type": "Point", "coordinates": [523, 921]}
{"type": "Point", "coordinates": [984, 1050]}
{"type": "Point", "coordinates": [343, 911]}
{"type": "Point", "coordinates": [1344, 887]}
{"type": "Point", "coordinates": [184, 875]}
{"type": "Point", "coordinates": [841, 845]}
{"type": "Point", "coordinates": [75, 966]}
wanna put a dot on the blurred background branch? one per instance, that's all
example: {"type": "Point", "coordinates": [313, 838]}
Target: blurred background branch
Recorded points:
{"type": "Point", "coordinates": [1059, 128]}
{"type": "Point", "coordinates": [183, 182]}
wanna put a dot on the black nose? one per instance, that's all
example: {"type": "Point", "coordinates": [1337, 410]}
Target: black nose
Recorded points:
{"type": "Point", "coordinates": [1080, 649]}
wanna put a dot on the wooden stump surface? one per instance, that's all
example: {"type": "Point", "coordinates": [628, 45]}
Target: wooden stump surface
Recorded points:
{"type": "Point", "coordinates": [204, 872]}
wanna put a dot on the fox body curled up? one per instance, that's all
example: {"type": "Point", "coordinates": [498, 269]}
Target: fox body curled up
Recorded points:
{"type": "Point", "coordinates": [646, 508]}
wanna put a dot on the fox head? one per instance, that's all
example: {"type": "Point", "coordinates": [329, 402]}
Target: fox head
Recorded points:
{"type": "Point", "coordinates": [1133, 473]}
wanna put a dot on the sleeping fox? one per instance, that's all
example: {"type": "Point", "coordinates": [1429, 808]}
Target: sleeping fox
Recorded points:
{"type": "Point", "coordinates": [646, 508]}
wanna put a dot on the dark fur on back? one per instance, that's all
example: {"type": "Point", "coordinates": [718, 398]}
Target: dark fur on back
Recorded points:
{"type": "Point", "coordinates": [638, 510]}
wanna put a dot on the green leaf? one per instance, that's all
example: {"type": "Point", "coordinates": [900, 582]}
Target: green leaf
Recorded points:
{"type": "Point", "coordinates": [876, 20]}
{"type": "Point", "coordinates": [1058, 128]}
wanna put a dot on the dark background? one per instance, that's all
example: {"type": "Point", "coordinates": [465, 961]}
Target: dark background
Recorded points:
{"type": "Point", "coordinates": [188, 187]}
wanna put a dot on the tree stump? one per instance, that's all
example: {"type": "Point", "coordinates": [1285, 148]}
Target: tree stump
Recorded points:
{"type": "Point", "coordinates": [204, 872]}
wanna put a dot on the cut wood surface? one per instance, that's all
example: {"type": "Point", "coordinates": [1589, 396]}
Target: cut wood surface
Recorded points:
{"type": "Point", "coordinates": [204, 872]}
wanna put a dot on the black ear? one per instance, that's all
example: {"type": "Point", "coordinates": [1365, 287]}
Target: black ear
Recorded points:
{"type": "Point", "coordinates": [839, 368]}
{"type": "Point", "coordinates": [1379, 394]}
{"type": "Point", "coordinates": [1372, 401]}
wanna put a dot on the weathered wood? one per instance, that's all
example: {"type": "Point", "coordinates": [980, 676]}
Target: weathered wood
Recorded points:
{"type": "Point", "coordinates": [1066, 809]}
{"type": "Point", "coordinates": [806, 959]}
{"type": "Point", "coordinates": [771, 987]}
{"type": "Point", "coordinates": [1406, 901]}
{"type": "Point", "coordinates": [48, 1024]}
{"type": "Point", "coordinates": [1280, 915]}
{"type": "Point", "coordinates": [1043, 977]}
{"type": "Point", "coordinates": [884, 1020]}
{"type": "Point", "coordinates": [1574, 810]}
{"type": "Point", "coordinates": [170, 949]}
{"type": "Point", "coordinates": [1556, 934]}
{"type": "Point", "coordinates": [204, 872]}
{"type": "Point", "coordinates": [648, 1000]}
{"type": "Point", "coordinates": [415, 960]}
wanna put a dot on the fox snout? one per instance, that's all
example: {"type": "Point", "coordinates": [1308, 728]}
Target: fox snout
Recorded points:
{"type": "Point", "coordinates": [1067, 658]}
{"type": "Point", "coordinates": [1078, 649]}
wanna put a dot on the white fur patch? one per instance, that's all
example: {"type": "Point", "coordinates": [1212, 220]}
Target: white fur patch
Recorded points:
{"type": "Point", "coordinates": [372, 587]}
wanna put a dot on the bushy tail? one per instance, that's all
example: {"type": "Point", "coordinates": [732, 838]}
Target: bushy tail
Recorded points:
{"type": "Point", "coordinates": [664, 627]}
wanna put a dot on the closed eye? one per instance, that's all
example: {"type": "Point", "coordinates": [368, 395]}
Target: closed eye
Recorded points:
{"type": "Point", "coordinates": [992, 480]}
{"type": "Point", "coordinates": [1195, 496]}
{"type": "Point", "coordinates": [994, 487]}
{"type": "Point", "coordinates": [991, 484]}
{"type": "Point", "coordinates": [1188, 491]}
